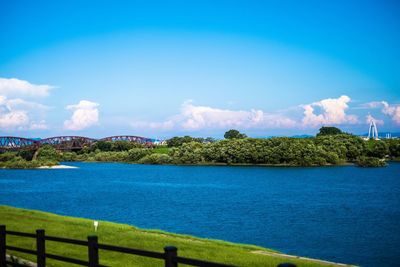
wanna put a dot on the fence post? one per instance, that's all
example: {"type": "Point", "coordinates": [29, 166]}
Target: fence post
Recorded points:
{"type": "Point", "coordinates": [40, 248]}
{"type": "Point", "coordinates": [93, 251]}
{"type": "Point", "coordinates": [3, 245]}
{"type": "Point", "coordinates": [170, 253]}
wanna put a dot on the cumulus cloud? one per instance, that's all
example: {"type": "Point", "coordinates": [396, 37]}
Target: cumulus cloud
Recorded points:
{"type": "Point", "coordinates": [18, 114]}
{"type": "Point", "coordinates": [20, 88]}
{"type": "Point", "coordinates": [333, 112]}
{"type": "Point", "coordinates": [21, 104]}
{"type": "Point", "coordinates": [193, 117]}
{"type": "Point", "coordinates": [370, 118]}
{"type": "Point", "coordinates": [14, 120]}
{"type": "Point", "coordinates": [41, 125]}
{"type": "Point", "coordinates": [85, 114]}
{"type": "Point", "coordinates": [199, 117]}
{"type": "Point", "coordinates": [392, 111]}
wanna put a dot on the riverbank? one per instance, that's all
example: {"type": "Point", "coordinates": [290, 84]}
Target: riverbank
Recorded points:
{"type": "Point", "coordinates": [212, 164]}
{"type": "Point", "coordinates": [281, 165]}
{"type": "Point", "coordinates": [57, 167]}
{"type": "Point", "coordinates": [125, 235]}
{"type": "Point", "coordinates": [336, 150]}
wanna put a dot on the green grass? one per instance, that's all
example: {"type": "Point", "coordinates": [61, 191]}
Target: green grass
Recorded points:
{"type": "Point", "coordinates": [128, 236]}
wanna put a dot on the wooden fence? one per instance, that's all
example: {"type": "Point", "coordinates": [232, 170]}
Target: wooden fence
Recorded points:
{"type": "Point", "coordinates": [170, 255]}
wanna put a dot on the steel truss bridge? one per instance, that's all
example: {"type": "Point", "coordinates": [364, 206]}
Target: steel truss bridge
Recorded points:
{"type": "Point", "coordinates": [13, 143]}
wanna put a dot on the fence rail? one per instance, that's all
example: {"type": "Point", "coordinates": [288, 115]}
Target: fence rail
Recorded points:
{"type": "Point", "coordinates": [170, 255]}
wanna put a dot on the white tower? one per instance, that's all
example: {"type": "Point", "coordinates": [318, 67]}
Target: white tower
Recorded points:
{"type": "Point", "coordinates": [373, 130]}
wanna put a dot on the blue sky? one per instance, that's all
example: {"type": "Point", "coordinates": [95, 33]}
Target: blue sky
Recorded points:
{"type": "Point", "coordinates": [159, 69]}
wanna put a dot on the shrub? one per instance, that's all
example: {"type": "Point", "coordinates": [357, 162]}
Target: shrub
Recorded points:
{"type": "Point", "coordinates": [332, 158]}
{"type": "Point", "coordinates": [370, 162]}
{"type": "Point", "coordinates": [47, 153]}
{"type": "Point", "coordinates": [377, 148]}
{"type": "Point", "coordinates": [114, 146]}
{"type": "Point", "coordinates": [394, 147]}
{"type": "Point", "coordinates": [68, 156]}
{"type": "Point", "coordinates": [7, 156]}
{"type": "Point", "coordinates": [136, 154]}
{"type": "Point", "coordinates": [178, 141]}
{"type": "Point", "coordinates": [188, 153]}
{"type": "Point", "coordinates": [20, 163]}
{"type": "Point", "coordinates": [111, 156]}
{"type": "Point", "coordinates": [26, 154]}
{"type": "Point", "coordinates": [156, 159]}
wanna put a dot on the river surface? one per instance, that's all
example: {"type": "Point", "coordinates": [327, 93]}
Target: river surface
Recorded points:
{"type": "Point", "coordinates": [342, 214]}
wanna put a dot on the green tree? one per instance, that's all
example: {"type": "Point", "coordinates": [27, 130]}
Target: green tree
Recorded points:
{"type": "Point", "coordinates": [136, 154]}
{"type": "Point", "coordinates": [370, 162]}
{"type": "Point", "coordinates": [156, 159]}
{"type": "Point", "coordinates": [47, 152]}
{"type": "Point", "coordinates": [8, 156]}
{"type": "Point", "coordinates": [234, 134]}
{"type": "Point", "coordinates": [102, 145]}
{"type": "Point", "coordinates": [377, 148]}
{"type": "Point", "coordinates": [325, 130]}
{"type": "Point", "coordinates": [26, 154]}
{"type": "Point", "coordinates": [394, 147]}
{"type": "Point", "coordinates": [124, 145]}
{"type": "Point", "coordinates": [68, 156]}
{"type": "Point", "coordinates": [209, 140]}
{"type": "Point", "coordinates": [188, 153]}
{"type": "Point", "coordinates": [178, 141]}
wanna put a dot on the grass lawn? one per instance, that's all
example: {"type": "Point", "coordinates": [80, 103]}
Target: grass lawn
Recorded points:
{"type": "Point", "coordinates": [128, 236]}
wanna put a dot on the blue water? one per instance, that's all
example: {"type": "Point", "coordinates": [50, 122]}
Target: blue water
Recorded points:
{"type": "Point", "coordinates": [343, 214]}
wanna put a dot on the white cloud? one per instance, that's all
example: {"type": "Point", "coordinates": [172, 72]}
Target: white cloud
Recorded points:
{"type": "Point", "coordinates": [20, 88]}
{"type": "Point", "coordinates": [333, 112]}
{"type": "Point", "coordinates": [370, 118]}
{"type": "Point", "coordinates": [18, 114]}
{"type": "Point", "coordinates": [18, 103]}
{"type": "Point", "coordinates": [391, 110]}
{"type": "Point", "coordinates": [41, 125]}
{"type": "Point", "coordinates": [192, 117]}
{"type": "Point", "coordinates": [14, 120]}
{"type": "Point", "coordinates": [85, 114]}
{"type": "Point", "coordinates": [374, 104]}
{"type": "Point", "coordinates": [199, 117]}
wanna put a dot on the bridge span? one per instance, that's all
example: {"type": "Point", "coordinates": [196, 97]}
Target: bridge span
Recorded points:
{"type": "Point", "coordinates": [14, 143]}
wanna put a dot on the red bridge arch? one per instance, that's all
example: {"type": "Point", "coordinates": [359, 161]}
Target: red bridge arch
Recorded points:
{"type": "Point", "coordinates": [13, 143]}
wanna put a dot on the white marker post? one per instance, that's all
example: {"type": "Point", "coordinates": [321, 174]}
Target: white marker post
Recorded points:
{"type": "Point", "coordinates": [96, 224]}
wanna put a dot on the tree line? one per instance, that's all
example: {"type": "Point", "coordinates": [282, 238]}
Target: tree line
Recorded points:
{"type": "Point", "coordinates": [330, 147]}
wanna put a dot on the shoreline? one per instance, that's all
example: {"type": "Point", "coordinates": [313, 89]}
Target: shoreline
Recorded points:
{"type": "Point", "coordinates": [226, 164]}
{"type": "Point", "coordinates": [209, 164]}
{"type": "Point", "coordinates": [61, 166]}
{"type": "Point", "coordinates": [27, 220]}
{"type": "Point", "coordinates": [64, 166]}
